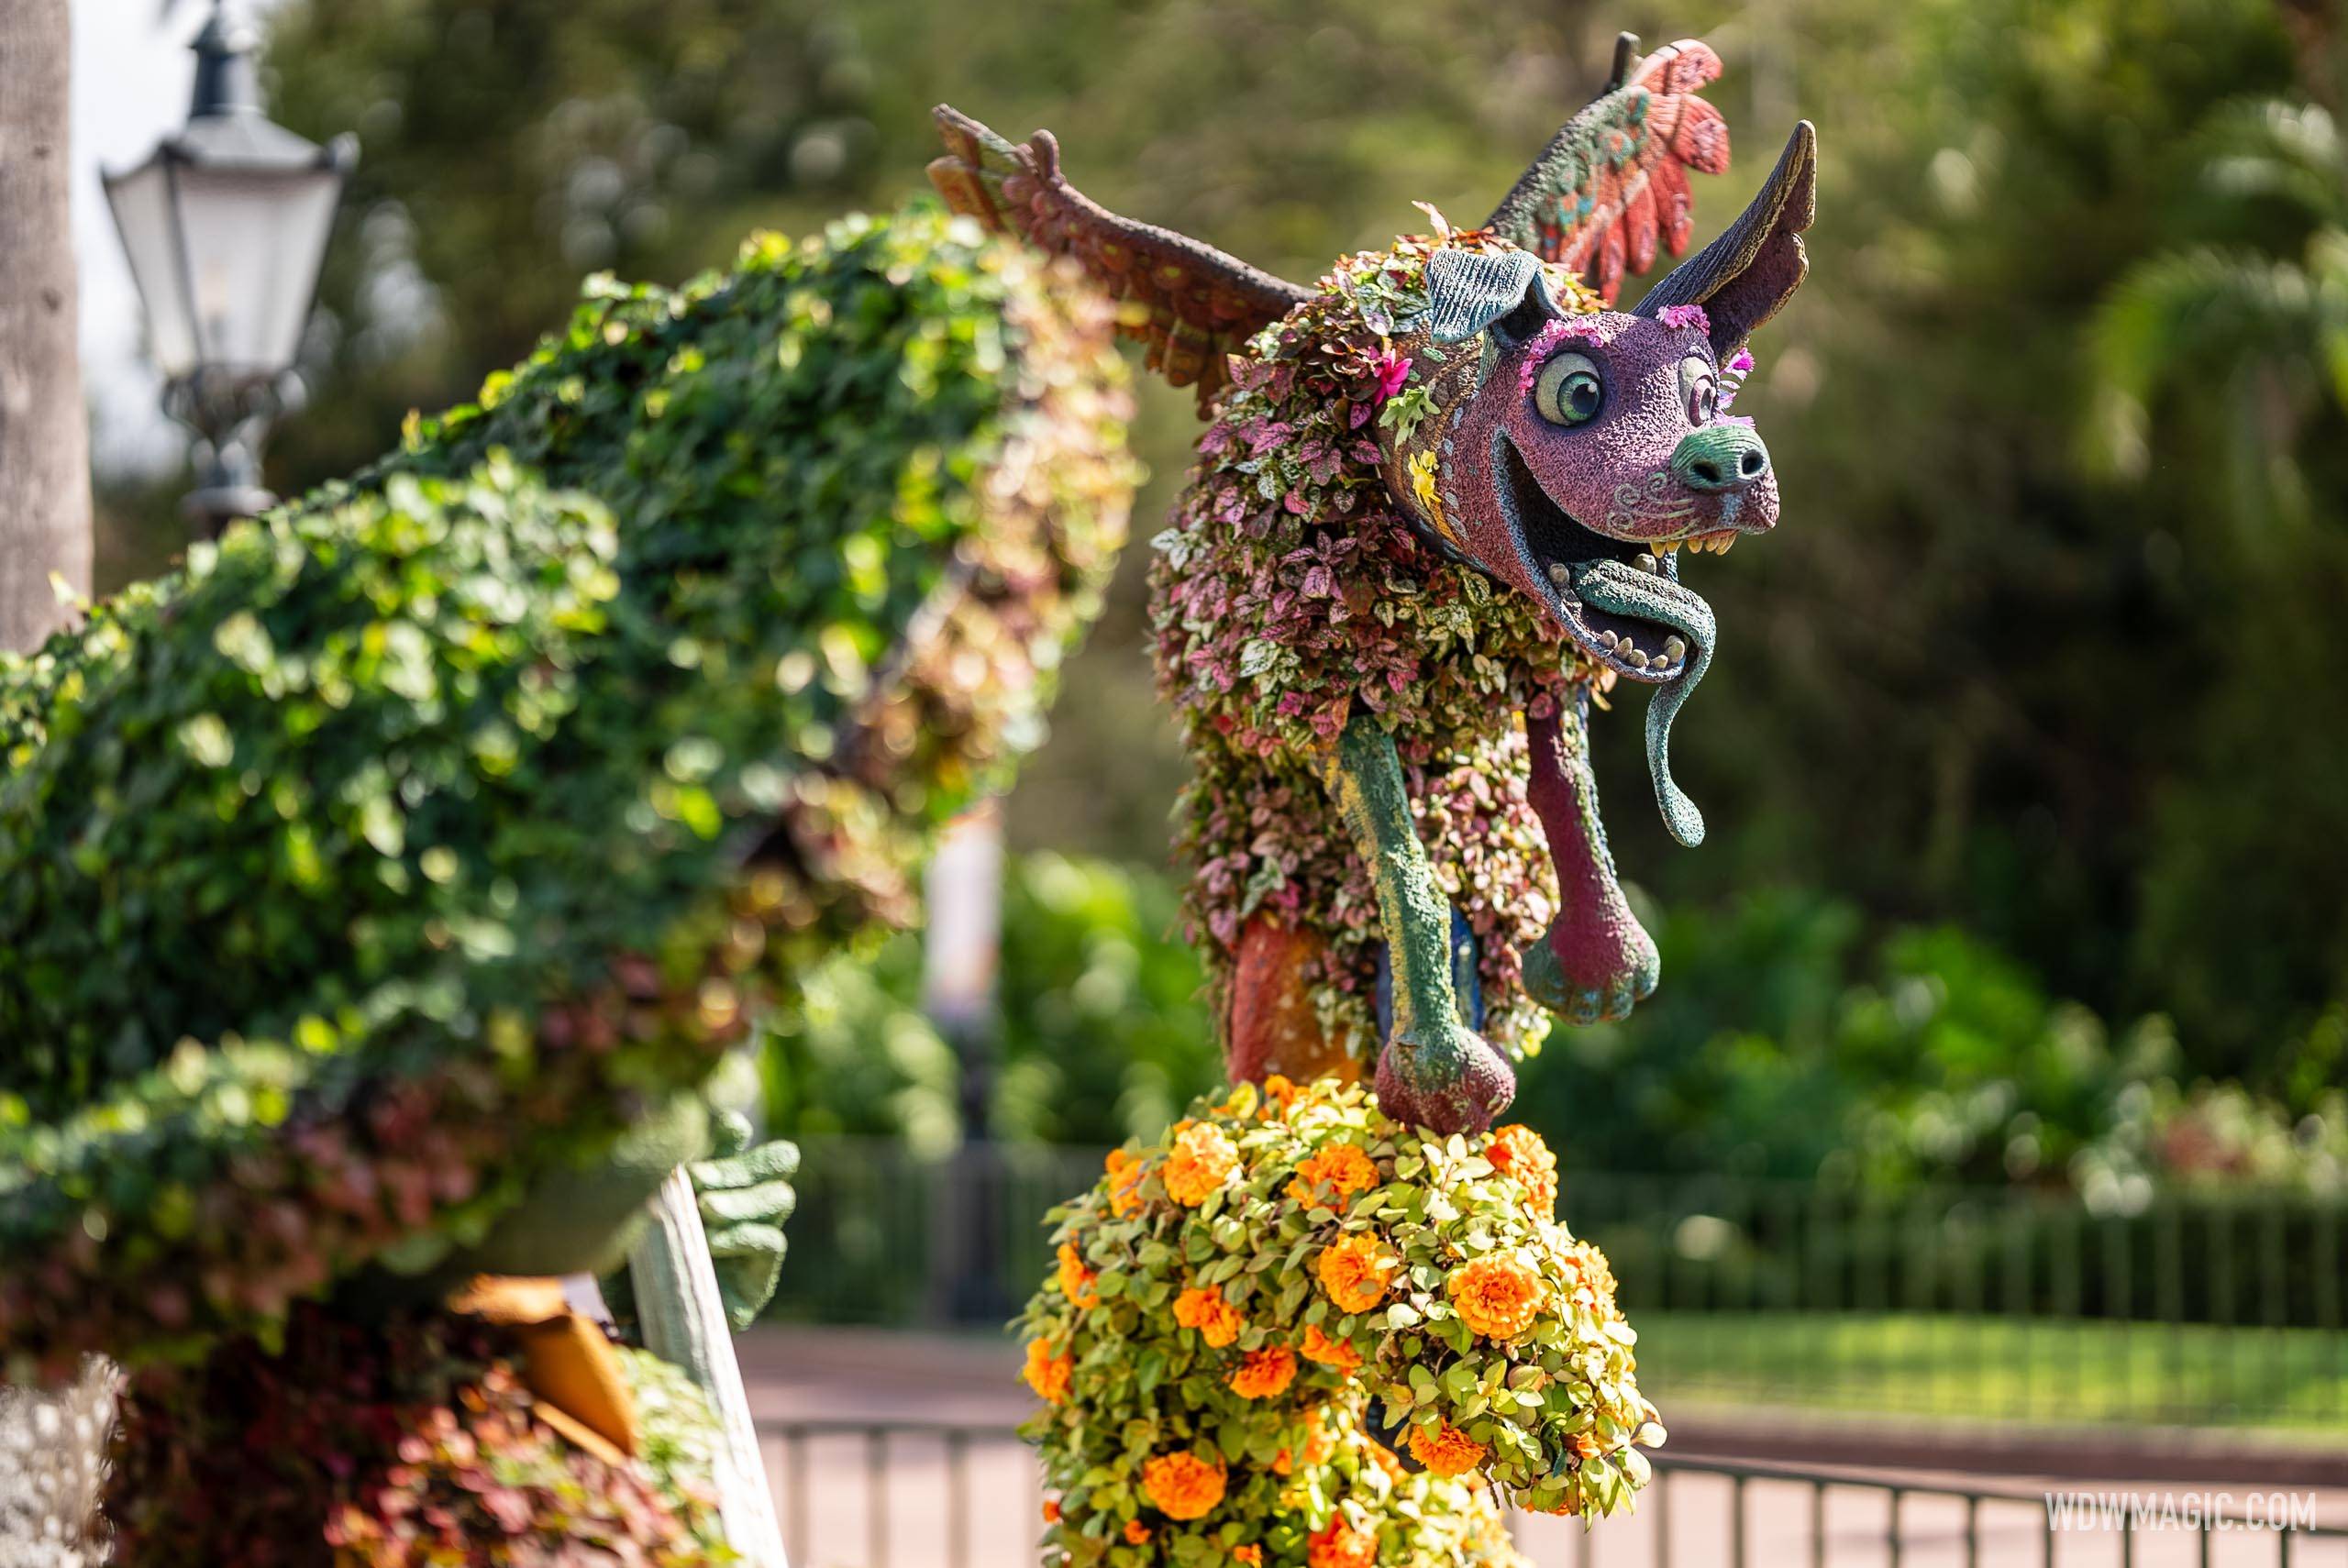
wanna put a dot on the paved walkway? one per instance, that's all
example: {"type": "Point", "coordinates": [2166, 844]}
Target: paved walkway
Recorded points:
{"type": "Point", "coordinates": [850, 1500]}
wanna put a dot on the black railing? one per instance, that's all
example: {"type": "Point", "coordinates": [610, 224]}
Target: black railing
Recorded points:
{"type": "Point", "coordinates": [1990, 1304]}
{"type": "Point", "coordinates": [909, 1494]}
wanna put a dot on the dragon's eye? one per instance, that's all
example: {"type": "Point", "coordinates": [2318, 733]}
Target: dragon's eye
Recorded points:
{"type": "Point", "coordinates": [1568, 390]}
{"type": "Point", "coordinates": [1700, 388]}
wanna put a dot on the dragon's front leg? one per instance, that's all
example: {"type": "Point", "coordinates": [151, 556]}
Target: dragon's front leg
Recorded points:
{"type": "Point", "coordinates": [1434, 1071]}
{"type": "Point", "coordinates": [1596, 962]}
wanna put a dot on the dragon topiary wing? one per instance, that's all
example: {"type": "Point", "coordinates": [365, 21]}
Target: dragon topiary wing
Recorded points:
{"type": "Point", "coordinates": [1195, 303]}
{"type": "Point", "coordinates": [1612, 184]}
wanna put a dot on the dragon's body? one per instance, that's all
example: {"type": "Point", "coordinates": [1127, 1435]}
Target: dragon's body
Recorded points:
{"type": "Point", "coordinates": [1441, 504]}
{"type": "Point", "coordinates": [1290, 590]}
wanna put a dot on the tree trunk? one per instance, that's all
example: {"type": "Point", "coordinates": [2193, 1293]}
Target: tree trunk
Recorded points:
{"type": "Point", "coordinates": [44, 429]}
{"type": "Point", "coordinates": [51, 1444]}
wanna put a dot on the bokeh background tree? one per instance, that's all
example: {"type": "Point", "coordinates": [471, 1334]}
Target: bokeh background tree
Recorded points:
{"type": "Point", "coordinates": [2026, 747]}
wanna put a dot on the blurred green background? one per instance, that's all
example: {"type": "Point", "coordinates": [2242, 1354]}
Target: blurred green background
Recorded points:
{"type": "Point", "coordinates": [2027, 754]}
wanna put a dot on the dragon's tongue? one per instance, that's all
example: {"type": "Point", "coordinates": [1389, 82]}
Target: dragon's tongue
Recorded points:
{"type": "Point", "coordinates": [1623, 589]}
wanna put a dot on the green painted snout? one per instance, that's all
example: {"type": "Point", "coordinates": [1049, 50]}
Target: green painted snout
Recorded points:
{"type": "Point", "coordinates": [1719, 458]}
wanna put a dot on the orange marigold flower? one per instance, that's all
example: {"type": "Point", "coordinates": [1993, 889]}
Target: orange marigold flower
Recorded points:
{"type": "Point", "coordinates": [1197, 1164]}
{"type": "Point", "coordinates": [1051, 1510]}
{"type": "Point", "coordinates": [1355, 1269]}
{"type": "Point", "coordinates": [1278, 1091]}
{"type": "Point", "coordinates": [1341, 1165]}
{"type": "Point", "coordinates": [1182, 1486]}
{"type": "Point", "coordinates": [1446, 1451]}
{"type": "Point", "coordinates": [1251, 1554]}
{"type": "Point", "coordinates": [1330, 1353]}
{"type": "Point", "coordinates": [1497, 1295]}
{"type": "Point", "coordinates": [1137, 1533]}
{"type": "Point", "coordinates": [1339, 1545]}
{"type": "Point", "coordinates": [1125, 1174]}
{"type": "Point", "coordinates": [1516, 1150]}
{"type": "Point", "coordinates": [1076, 1280]}
{"type": "Point", "coordinates": [1388, 1461]}
{"type": "Point", "coordinates": [1217, 1320]}
{"type": "Point", "coordinates": [1264, 1374]}
{"type": "Point", "coordinates": [1047, 1374]}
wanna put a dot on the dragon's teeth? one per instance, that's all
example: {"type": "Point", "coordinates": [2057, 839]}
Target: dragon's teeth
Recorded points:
{"type": "Point", "coordinates": [1672, 648]}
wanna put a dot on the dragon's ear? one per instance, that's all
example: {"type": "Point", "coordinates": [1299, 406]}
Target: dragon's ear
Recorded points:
{"type": "Point", "coordinates": [1742, 278]}
{"type": "Point", "coordinates": [1469, 291]}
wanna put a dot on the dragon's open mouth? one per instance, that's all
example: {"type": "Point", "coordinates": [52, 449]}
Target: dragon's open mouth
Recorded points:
{"type": "Point", "coordinates": [1623, 607]}
{"type": "Point", "coordinates": [1563, 554]}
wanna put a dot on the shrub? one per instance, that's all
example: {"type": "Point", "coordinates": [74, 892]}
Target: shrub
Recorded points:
{"type": "Point", "coordinates": [419, 835]}
{"type": "Point", "coordinates": [410, 1442]}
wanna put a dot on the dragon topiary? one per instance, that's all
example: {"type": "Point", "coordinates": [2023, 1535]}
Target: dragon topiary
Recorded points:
{"type": "Point", "coordinates": [377, 892]}
{"type": "Point", "coordinates": [1440, 507]}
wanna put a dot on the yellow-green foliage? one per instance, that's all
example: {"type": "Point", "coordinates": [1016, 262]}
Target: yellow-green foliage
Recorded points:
{"type": "Point", "coordinates": [1253, 1318]}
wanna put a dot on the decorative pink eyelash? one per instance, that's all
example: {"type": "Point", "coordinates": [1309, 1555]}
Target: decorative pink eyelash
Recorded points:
{"type": "Point", "coordinates": [1551, 337]}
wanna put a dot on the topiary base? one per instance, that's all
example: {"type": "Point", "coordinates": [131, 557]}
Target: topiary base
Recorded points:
{"type": "Point", "coordinates": [1242, 1312]}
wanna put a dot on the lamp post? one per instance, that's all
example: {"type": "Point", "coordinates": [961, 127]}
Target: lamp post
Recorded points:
{"type": "Point", "coordinates": [226, 225]}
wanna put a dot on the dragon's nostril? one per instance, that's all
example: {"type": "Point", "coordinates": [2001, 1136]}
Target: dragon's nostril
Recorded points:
{"type": "Point", "coordinates": [1706, 471]}
{"type": "Point", "coordinates": [1752, 462]}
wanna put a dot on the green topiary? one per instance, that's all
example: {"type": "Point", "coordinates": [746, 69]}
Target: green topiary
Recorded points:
{"type": "Point", "coordinates": [426, 832]}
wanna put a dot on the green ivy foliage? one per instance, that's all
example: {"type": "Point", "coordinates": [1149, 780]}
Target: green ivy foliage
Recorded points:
{"type": "Point", "coordinates": [422, 831]}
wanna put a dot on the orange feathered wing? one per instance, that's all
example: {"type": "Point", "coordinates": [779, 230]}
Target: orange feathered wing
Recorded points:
{"type": "Point", "coordinates": [1193, 304]}
{"type": "Point", "coordinates": [1612, 185]}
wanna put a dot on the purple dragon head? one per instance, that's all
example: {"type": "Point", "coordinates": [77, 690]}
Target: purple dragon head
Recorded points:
{"type": "Point", "coordinates": [1570, 453]}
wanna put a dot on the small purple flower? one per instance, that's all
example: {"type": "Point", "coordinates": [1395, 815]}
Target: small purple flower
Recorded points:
{"type": "Point", "coordinates": [1679, 315]}
{"type": "Point", "coordinates": [1394, 374]}
{"type": "Point", "coordinates": [1732, 377]}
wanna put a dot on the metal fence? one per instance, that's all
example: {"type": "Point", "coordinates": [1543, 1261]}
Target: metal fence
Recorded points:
{"type": "Point", "coordinates": [860, 1495]}
{"type": "Point", "coordinates": [1981, 1304]}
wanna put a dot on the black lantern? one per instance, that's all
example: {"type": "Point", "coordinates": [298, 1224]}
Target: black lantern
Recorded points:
{"type": "Point", "coordinates": [226, 226]}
